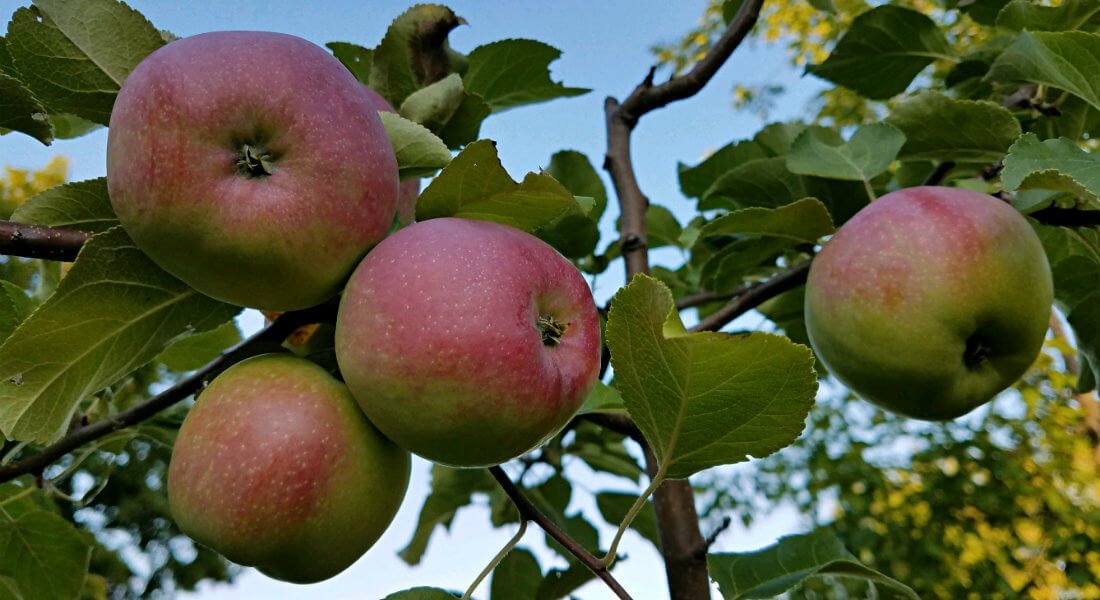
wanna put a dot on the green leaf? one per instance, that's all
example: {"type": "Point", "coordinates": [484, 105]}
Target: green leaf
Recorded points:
{"type": "Point", "coordinates": [9, 589]}
{"type": "Point", "coordinates": [776, 569]}
{"type": "Point", "coordinates": [44, 554]}
{"type": "Point", "coordinates": [694, 181]}
{"type": "Point", "coordinates": [883, 51]}
{"type": "Point", "coordinates": [21, 111]}
{"type": "Point", "coordinates": [517, 576]}
{"type": "Point", "coordinates": [423, 593]}
{"type": "Point", "coordinates": [434, 105]}
{"type": "Point", "coordinates": [66, 126]}
{"type": "Point", "coordinates": [413, 52]}
{"type": "Point", "coordinates": [419, 152]}
{"type": "Point", "coordinates": [1059, 165]}
{"type": "Point", "coordinates": [476, 186]}
{"type": "Point", "coordinates": [730, 266]}
{"type": "Point", "coordinates": [1065, 60]}
{"type": "Point", "coordinates": [1074, 256]}
{"type": "Point", "coordinates": [560, 583]}
{"type": "Point", "coordinates": [938, 127]}
{"type": "Point", "coordinates": [602, 398]}
{"type": "Point", "coordinates": [22, 303]}
{"type": "Point", "coordinates": [512, 73]}
{"type": "Point", "coordinates": [662, 228]}
{"type": "Point", "coordinates": [983, 11]}
{"type": "Point", "coordinates": [803, 221]}
{"type": "Point", "coordinates": [194, 351]}
{"type": "Point", "coordinates": [868, 153]}
{"type": "Point", "coordinates": [112, 313]}
{"type": "Point", "coordinates": [74, 56]}
{"type": "Point", "coordinates": [573, 170]}
{"type": "Point", "coordinates": [704, 399]}
{"type": "Point", "coordinates": [452, 489]}
{"type": "Point", "coordinates": [776, 139]}
{"type": "Point", "coordinates": [465, 124]}
{"type": "Point", "coordinates": [1019, 15]}
{"type": "Point", "coordinates": [83, 205]}
{"type": "Point", "coordinates": [767, 183]}
{"type": "Point", "coordinates": [615, 505]}
{"type": "Point", "coordinates": [356, 58]}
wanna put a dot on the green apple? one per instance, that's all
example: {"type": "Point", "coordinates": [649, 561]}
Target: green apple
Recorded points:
{"type": "Point", "coordinates": [467, 342]}
{"type": "Point", "coordinates": [930, 301]}
{"type": "Point", "coordinates": [252, 166]}
{"type": "Point", "coordinates": [276, 467]}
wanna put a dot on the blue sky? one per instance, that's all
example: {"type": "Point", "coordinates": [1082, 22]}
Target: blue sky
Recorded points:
{"type": "Point", "coordinates": [605, 46]}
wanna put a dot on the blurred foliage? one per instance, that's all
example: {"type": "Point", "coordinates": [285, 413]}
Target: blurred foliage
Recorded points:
{"type": "Point", "coordinates": [19, 184]}
{"type": "Point", "coordinates": [1006, 501]}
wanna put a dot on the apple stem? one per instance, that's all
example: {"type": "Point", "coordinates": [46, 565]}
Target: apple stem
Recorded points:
{"type": "Point", "coordinates": [551, 330]}
{"type": "Point", "coordinates": [976, 351]}
{"type": "Point", "coordinates": [496, 559]}
{"type": "Point", "coordinates": [639, 504]}
{"type": "Point", "coordinates": [254, 161]}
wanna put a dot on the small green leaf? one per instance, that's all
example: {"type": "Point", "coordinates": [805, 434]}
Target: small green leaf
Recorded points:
{"type": "Point", "coordinates": [356, 58]}
{"type": "Point", "coordinates": [704, 399]}
{"type": "Point", "coordinates": [1020, 15]}
{"type": "Point", "coordinates": [83, 205]}
{"type": "Point", "coordinates": [44, 554]}
{"type": "Point", "coordinates": [868, 153]}
{"type": "Point", "coordinates": [662, 228]}
{"type": "Point", "coordinates": [434, 105]}
{"type": "Point", "coordinates": [576, 235]}
{"type": "Point", "coordinates": [452, 489]}
{"type": "Point", "coordinates": [67, 127]}
{"type": "Point", "coordinates": [113, 312]}
{"type": "Point", "coordinates": [413, 53]}
{"type": "Point", "coordinates": [938, 127]}
{"type": "Point", "coordinates": [602, 398]}
{"type": "Point", "coordinates": [74, 56]}
{"type": "Point", "coordinates": [883, 51]}
{"type": "Point", "coordinates": [803, 221]}
{"type": "Point", "coordinates": [21, 111]}
{"type": "Point", "coordinates": [615, 505]}
{"type": "Point", "coordinates": [517, 576]}
{"type": "Point", "coordinates": [423, 593]}
{"type": "Point", "coordinates": [1058, 164]}
{"type": "Point", "coordinates": [476, 186]}
{"type": "Point", "coordinates": [573, 170]}
{"type": "Point", "coordinates": [730, 266]}
{"type": "Point", "coordinates": [694, 181]}
{"type": "Point", "coordinates": [1065, 60]}
{"type": "Point", "coordinates": [194, 351]}
{"type": "Point", "coordinates": [465, 124]}
{"type": "Point", "coordinates": [512, 73]}
{"type": "Point", "coordinates": [419, 152]}
{"type": "Point", "coordinates": [776, 569]}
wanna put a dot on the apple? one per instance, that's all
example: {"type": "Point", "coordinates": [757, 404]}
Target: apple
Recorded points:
{"type": "Point", "coordinates": [930, 301]}
{"type": "Point", "coordinates": [410, 188]}
{"type": "Point", "coordinates": [467, 342]}
{"type": "Point", "coordinates": [276, 467]}
{"type": "Point", "coordinates": [251, 166]}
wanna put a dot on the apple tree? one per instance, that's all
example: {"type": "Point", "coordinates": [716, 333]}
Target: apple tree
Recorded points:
{"type": "Point", "coordinates": [990, 102]}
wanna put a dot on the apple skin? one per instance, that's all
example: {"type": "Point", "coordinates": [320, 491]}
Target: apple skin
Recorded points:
{"type": "Point", "coordinates": [930, 301]}
{"type": "Point", "coordinates": [279, 237]}
{"type": "Point", "coordinates": [276, 467]}
{"type": "Point", "coordinates": [437, 337]}
{"type": "Point", "coordinates": [410, 188]}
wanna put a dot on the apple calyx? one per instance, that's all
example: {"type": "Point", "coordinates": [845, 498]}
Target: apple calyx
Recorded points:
{"type": "Point", "coordinates": [551, 330]}
{"type": "Point", "coordinates": [254, 160]}
{"type": "Point", "coordinates": [977, 351]}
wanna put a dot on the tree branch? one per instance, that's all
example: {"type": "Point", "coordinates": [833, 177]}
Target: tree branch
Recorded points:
{"type": "Point", "coordinates": [1067, 217]}
{"type": "Point", "coordinates": [938, 174]}
{"type": "Point", "coordinates": [257, 344]}
{"type": "Point", "coordinates": [754, 296]}
{"type": "Point", "coordinates": [37, 241]}
{"type": "Point", "coordinates": [528, 512]}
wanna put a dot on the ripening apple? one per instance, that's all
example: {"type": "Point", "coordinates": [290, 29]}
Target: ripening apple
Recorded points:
{"type": "Point", "coordinates": [276, 467]}
{"type": "Point", "coordinates": [410, 188]}
{"type": "Point", "coordinates": [930, 301]}
{"type": "Point", "coordinates": [467, 342]}
{"type": "Point", "coordinates": [251, 166]}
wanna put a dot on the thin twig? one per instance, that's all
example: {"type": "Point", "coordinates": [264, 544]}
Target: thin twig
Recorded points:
{"type": "Point", "coordinates": [621, 424]}
{"type": "Point", "coordinates": [938, 174]}
{"type": "Point", "coordinates": [272, 334]}
{"type": "Point", "coordinates": [37, 241]}
{"type": "Point", "coordinates": [756, 295]}
{"type": "Point", "coordinates": [1067, 217]}
{"type": "Point", "coordinates": [496, 559]}
{"type": "Point", "coordinates": [528, 512]}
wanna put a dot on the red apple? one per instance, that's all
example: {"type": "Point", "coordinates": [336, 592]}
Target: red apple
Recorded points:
{"type": "Point", "coordinates": [276, 467]}
{"type": "Point", "coordinates": [930, 301]}
{"type": "Point", "coordinates": [410, 188]}
{"type": "Point", "coordinates": [467, 342]}
{"type": "Point", "coordinates": [251, 166]}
